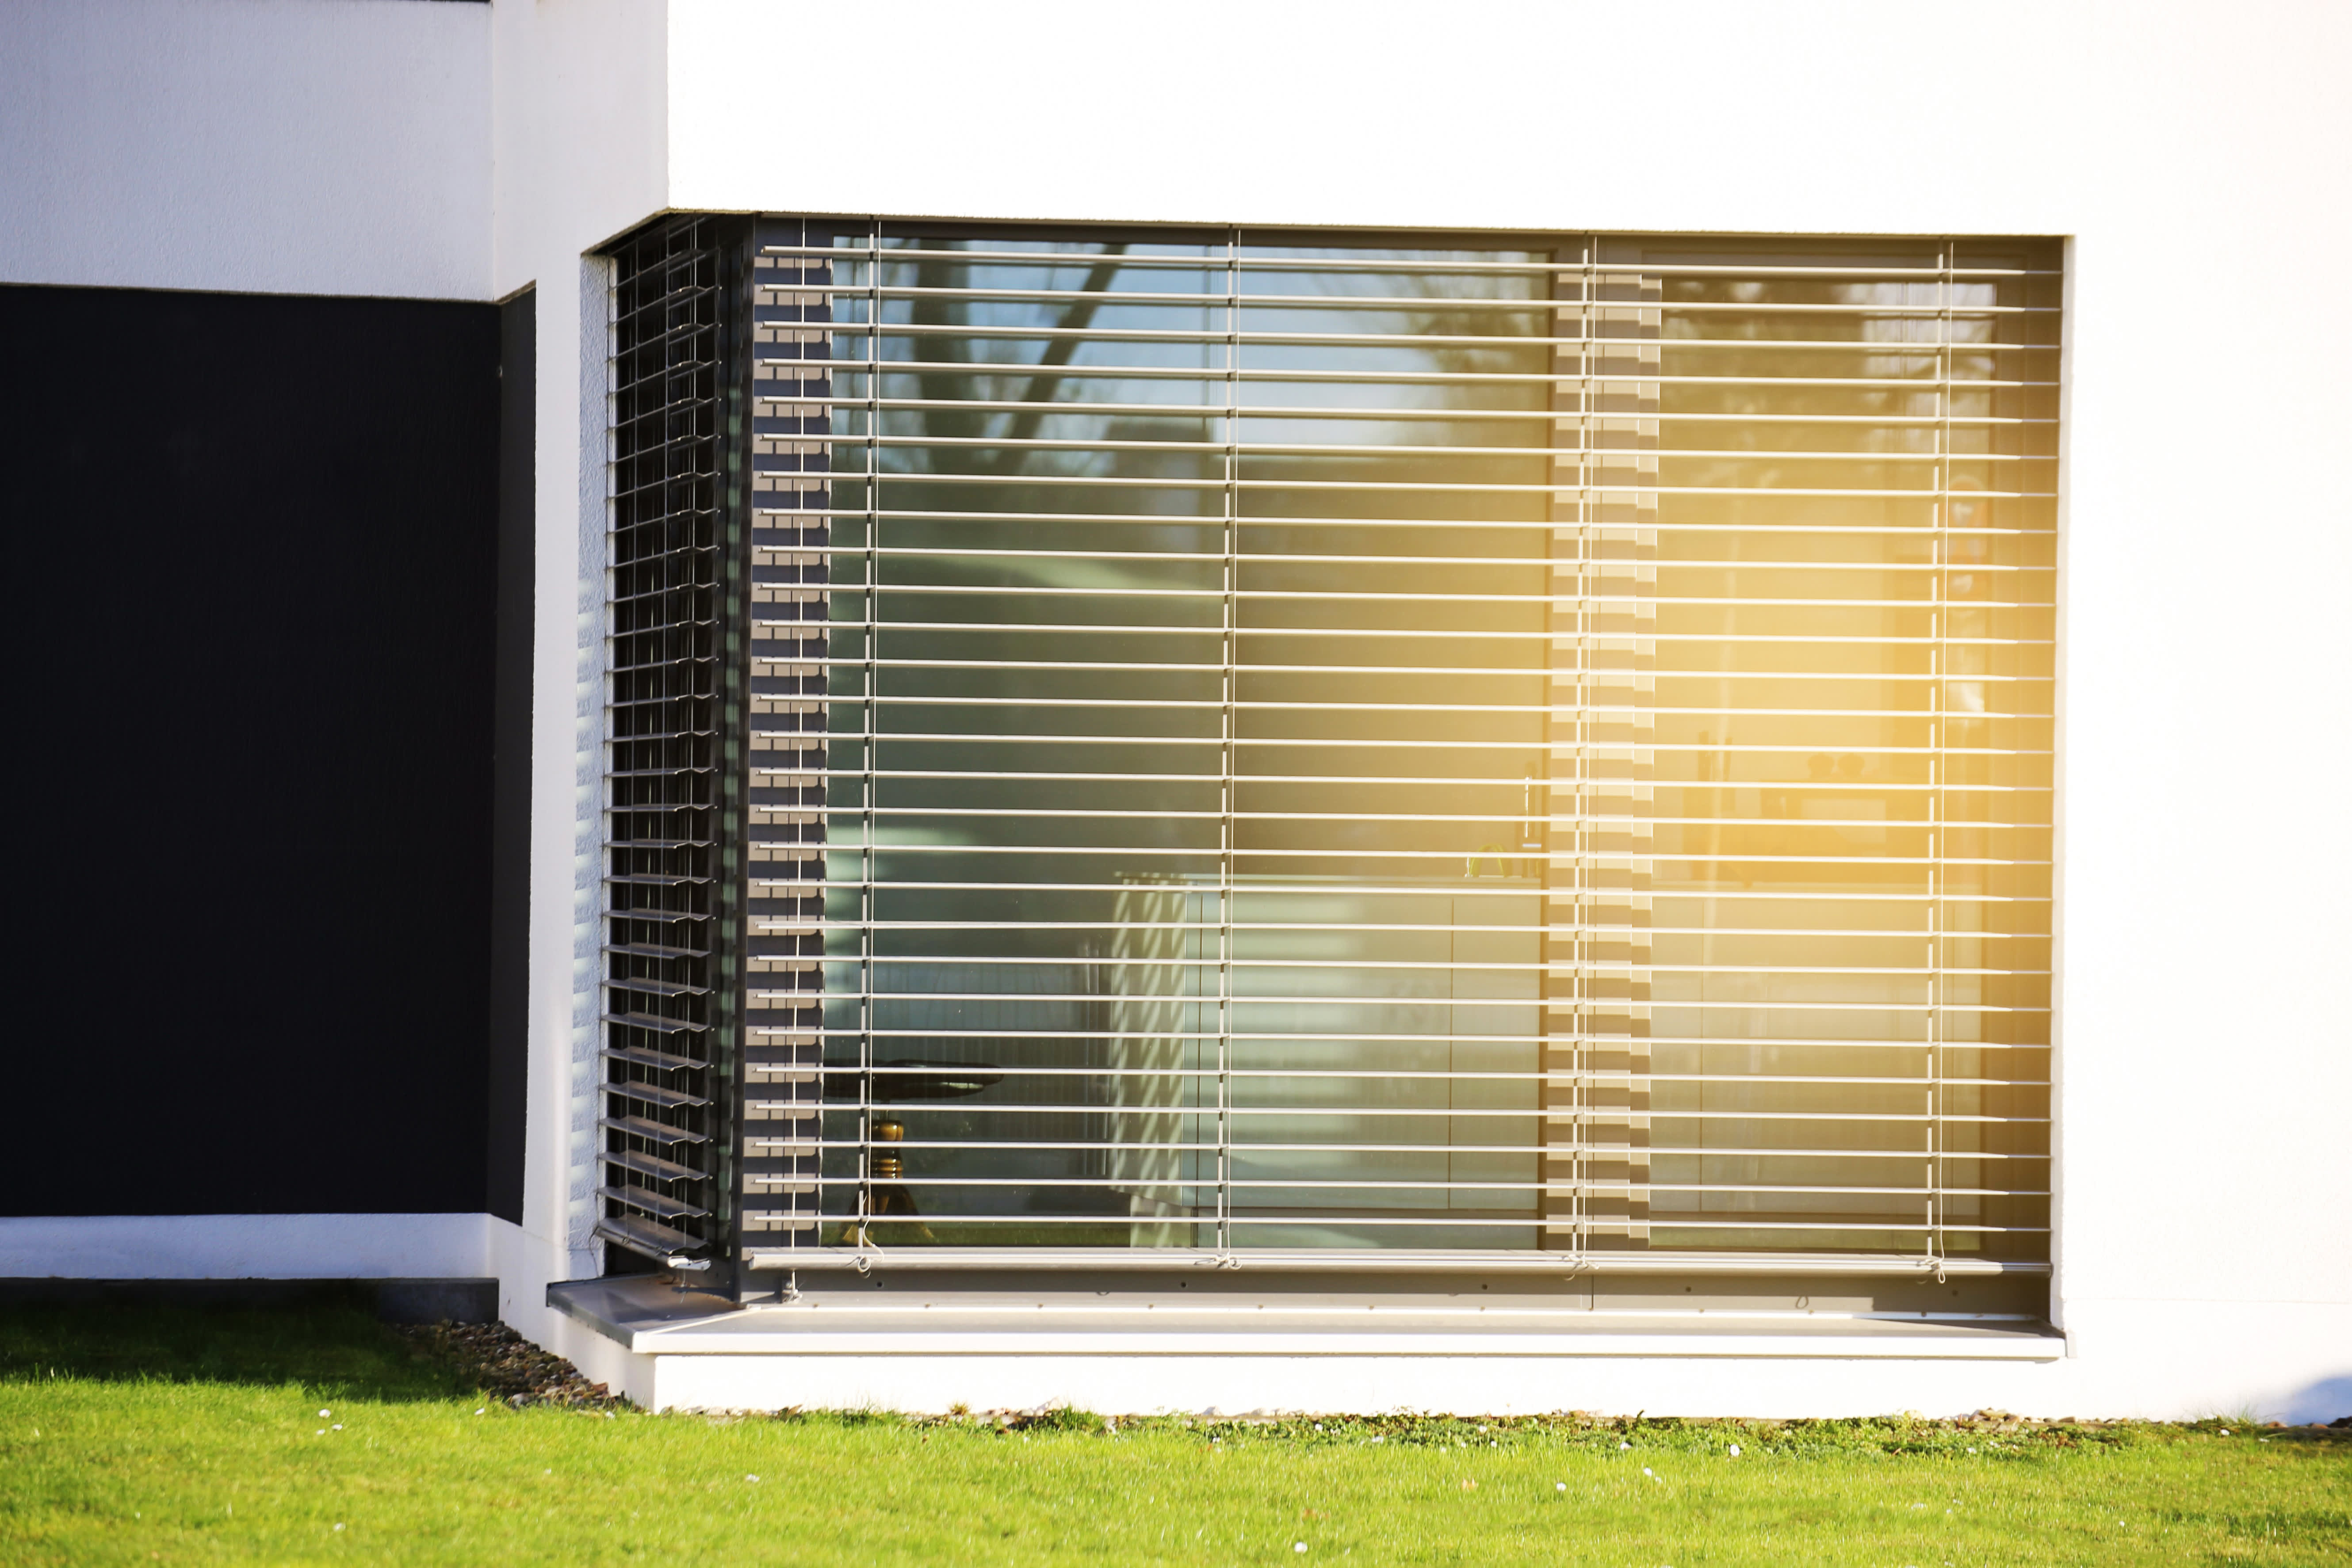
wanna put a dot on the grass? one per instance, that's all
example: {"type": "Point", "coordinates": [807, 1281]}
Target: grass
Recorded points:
{"type": "Point", "coordinates": [138, 1435]}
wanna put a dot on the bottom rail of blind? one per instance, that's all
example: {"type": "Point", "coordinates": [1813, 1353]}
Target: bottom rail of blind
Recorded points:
{"type": "Point", "coordinates": [1017, 1259]}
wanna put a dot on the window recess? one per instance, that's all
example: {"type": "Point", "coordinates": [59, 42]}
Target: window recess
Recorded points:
{"type": "Point", "coordinates": [1316, 750]}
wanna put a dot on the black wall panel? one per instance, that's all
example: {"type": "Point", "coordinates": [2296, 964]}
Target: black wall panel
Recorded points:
{"type": "Point", "coordinates": [250, 629]}
{"type": "Point", "coordinates": [510, 773]}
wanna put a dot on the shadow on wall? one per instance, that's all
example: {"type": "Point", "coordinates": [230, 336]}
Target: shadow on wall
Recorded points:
{"type": "Point", "coordinates": [2323, 1401]}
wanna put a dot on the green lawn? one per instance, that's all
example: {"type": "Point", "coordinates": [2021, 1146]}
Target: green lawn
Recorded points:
{"type": "Point", "coordinates": [136, 1435]}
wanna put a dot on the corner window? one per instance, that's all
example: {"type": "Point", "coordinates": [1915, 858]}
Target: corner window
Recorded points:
{"type": "Point", "coordinates": [1315, 749]}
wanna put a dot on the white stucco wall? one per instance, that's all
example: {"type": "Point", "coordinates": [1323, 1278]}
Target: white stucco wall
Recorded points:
{"type": "Point", "coordinates": [2196, 155]}
{"type": "Point", "coordinates": [256, 146]}
{"type": "Point", "coordinates": [248, 1247]}
{"type": "Point", "coordinates": [579, 101]}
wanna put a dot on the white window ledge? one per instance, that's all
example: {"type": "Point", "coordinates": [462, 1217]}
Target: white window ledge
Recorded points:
{"type": "Point", "coordinates": [650, 1317]}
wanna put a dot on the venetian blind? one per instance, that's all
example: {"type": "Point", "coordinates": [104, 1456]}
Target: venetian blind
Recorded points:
{"type": "Point", "coordinates": [1369, 750]}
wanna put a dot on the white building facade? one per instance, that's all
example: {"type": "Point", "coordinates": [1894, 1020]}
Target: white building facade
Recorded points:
{"type": "Point", "coordinates": [2193, 1252]}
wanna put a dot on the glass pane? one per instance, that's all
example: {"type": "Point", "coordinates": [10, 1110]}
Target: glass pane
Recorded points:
{"type": "Point", "coordinates": [1405, 746]}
